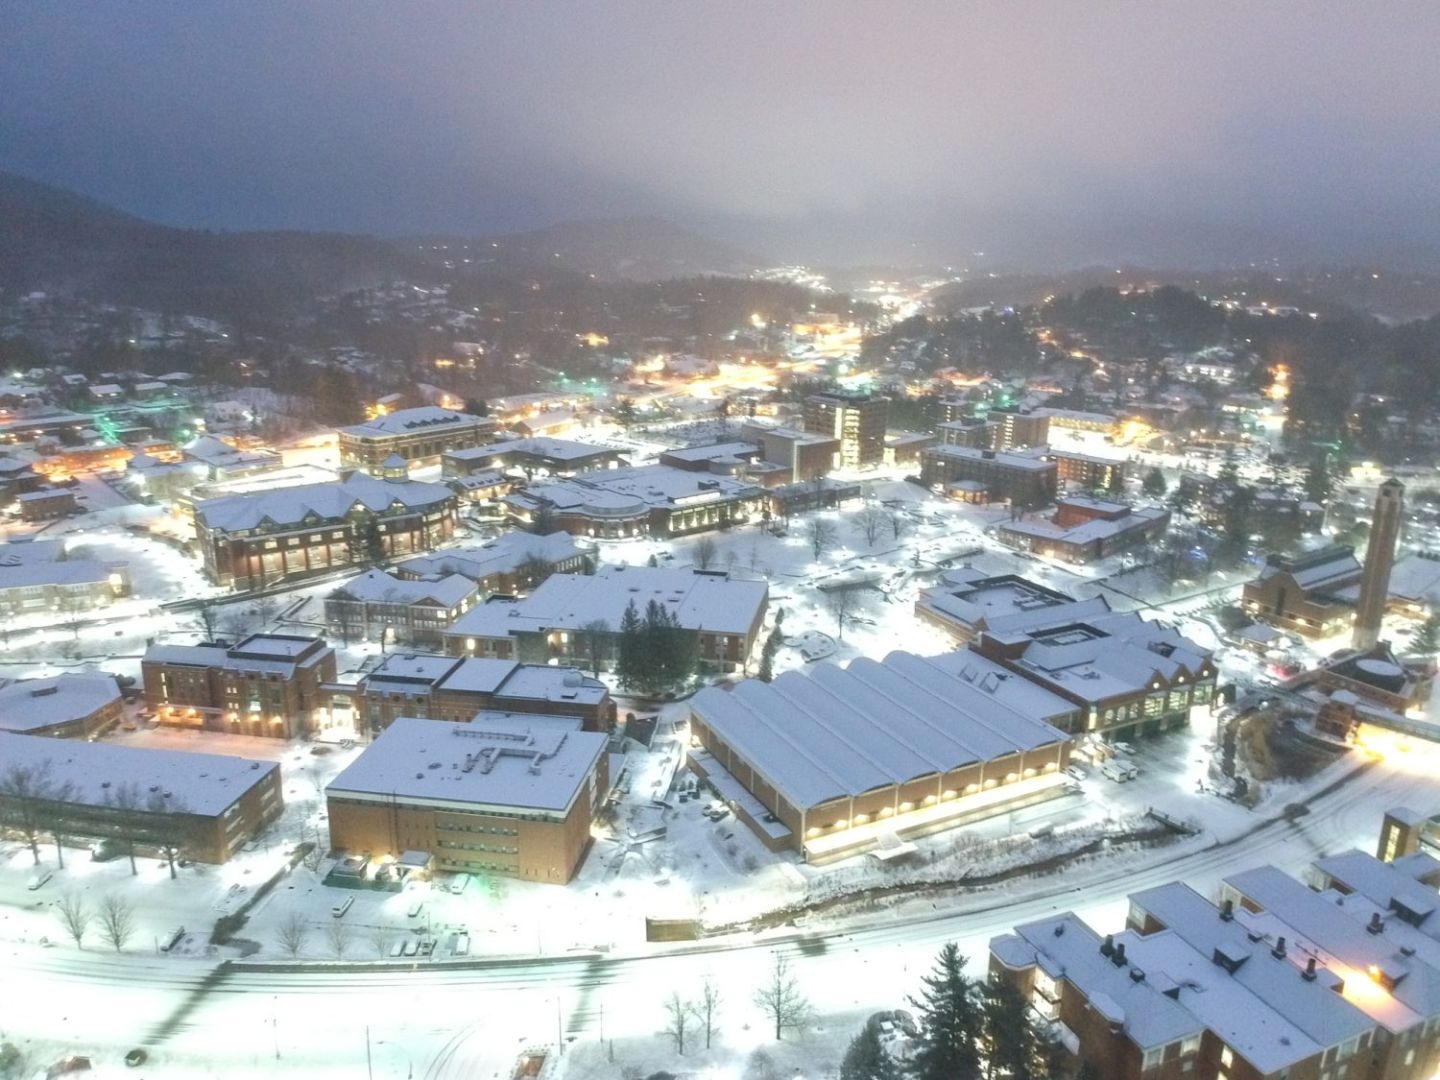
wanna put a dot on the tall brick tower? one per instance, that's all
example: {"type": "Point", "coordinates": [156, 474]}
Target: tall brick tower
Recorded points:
{"type": "Point", "coordinates": [1379, 557]}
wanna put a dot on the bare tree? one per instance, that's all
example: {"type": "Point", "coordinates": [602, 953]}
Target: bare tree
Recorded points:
{"type": "Point", "coordinates": [292, 933]}
{"type": "Point", "coordinates": [707, 1009]}
{"type": "Point", "coordinates": [235, 624]}
{"type": "Point", "coordinates": [337, 936]}
{"type": "Point", "coordinates": [870, 522]}
{"type": "Point", "coordinates": [705, 551]}
{"type": "Point", "coordinates": [166, 823]}
{"type": "Point", "coordinates": [117, 920]}
{"type": "Point", "coordinates": [24, 790]}
{"type": "Point", "coordinates": [266, 608]}
{"type": "Point", "coordinates": [678, 1015]}
{"type": "Point", "coordinates": [125, 797]}
{"type": "Point", "coordinates": [779, 997]}
{"type": "Point", "coordinates": [899, 524]}
{"type": "Point", "coordinates": [208, 616]}
{"type": "Point", "coordinates": [822, 535]}
{"type": "Point", "coordinates": [843, 601]}
{"type": "Point", "coordinates": [596, 642]}
{"type": "Point", "coordinates": [380, 940]}
{"type": "Point", "coordinates": [75, 915]}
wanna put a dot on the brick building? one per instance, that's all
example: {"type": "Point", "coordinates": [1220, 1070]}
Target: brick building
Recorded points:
{"type": "Point", "coordinates": [858, 421]}
{"type": "Point", "coordinates": [1307, 593]}
{"type": "Point", "coordinates": [419, 436]}
{"type": "Point", "coordinates": [204, 807]}
{"type": "Point", "coordinates": [456, 688]}
{"type": "Point", "coordinates": [74, 705]}
{"type": "Point", "coordinates": [1027, 480]}
{"type": "Point", "coordinates": [263, 538]}
{"type": "Point", "coordinates": [268, 684]}
{"type": "Point", "coordinates": [379, 606]}
{"type": "Point", "coordinates": [503, 794]}
{"type": "Point", "coordinates": [557, 622]}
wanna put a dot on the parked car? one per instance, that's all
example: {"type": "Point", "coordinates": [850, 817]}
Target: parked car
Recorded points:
{"type": "Point", "coordinates": [1075, 772]}
{"type": "Point", "coordinates": [39, 878]}
{"type": "Point", "coordinates": [339, 910]}
{"type": "Point", "coordinates": [1115, 770]}
{"type": "Point", "coordinates": [137, 1057]}
{"type": "Point", "coordinates": [1124, 748]}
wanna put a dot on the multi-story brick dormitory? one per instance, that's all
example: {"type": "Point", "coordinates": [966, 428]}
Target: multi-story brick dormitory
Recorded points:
{"type": "Point", "coordinates": [456, 688]}
{"type": "Point", "coordinates": [265, 538]}
{"type": "Point", "coordinates": [419, 436]}
{"type": "Point", "coordinates": [268, 684]}
{"type": "Point", "coordinates": [1277, 981]}
{"type": "Point", "coordinates": [1023, 479]}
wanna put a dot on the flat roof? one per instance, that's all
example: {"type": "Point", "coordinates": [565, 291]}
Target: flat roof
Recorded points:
{"type": "Point", "coordinates": [845, 731]}
{"type": "Point", "coordinates": [508, 761]}
{"type": "Point", "coordinates": [1026, 462]}
{"type": "Point", "coordinates": [205, 784]}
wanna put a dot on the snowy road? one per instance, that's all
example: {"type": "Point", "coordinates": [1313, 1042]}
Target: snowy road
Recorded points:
{"type": "Point", "coordinates": [438, 1021]}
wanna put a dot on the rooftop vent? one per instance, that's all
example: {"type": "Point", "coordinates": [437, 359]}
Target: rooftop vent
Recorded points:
{"type": "Point", "coordinates": [1376, 924]}
{"type": "Point", "coordinates": [1309, 973]}
{"type": "Point", "coordinates": [1108, 945]}
{"type": "Point", "coordinates": [1136, 975]}
{"type": "Point", "coordinates": [1118, 957]}
{"type": "Point", "coordinates": [1279, 950]}
{"type": "Point", "coordinates": [1227, 910]}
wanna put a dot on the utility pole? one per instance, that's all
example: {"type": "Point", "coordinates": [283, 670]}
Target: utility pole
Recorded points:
{"type": "Point", "coordinates": [369, 1066]}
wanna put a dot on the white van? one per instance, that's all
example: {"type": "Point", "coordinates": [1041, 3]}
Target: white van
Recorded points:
{"type": "Point", "coordinates": [339, 910]}
{"type": "Point", "coordinates": [1115, 770]}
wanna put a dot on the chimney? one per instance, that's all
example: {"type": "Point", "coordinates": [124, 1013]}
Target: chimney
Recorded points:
{"type": "Point", "coordinates": [1279, 950]}
{"type": "Point", "coordinates": [1227, 910]}
{"type": "Point", "coordinates": [1108, 945]}
{"type": "Point", "coordinates": [1309, 973]}
{"type": "Point", "coordinates": [1376, 925]}
{"type": "Point", "coordinates": [1118, 959]}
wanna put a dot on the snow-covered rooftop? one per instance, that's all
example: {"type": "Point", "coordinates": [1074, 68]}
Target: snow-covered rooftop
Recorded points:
{"type": "Point", "coordinates": [33, 704]}
{"type": "Point", "coordinates": [700, 601]}
{"type": "Point", "coordinates": [844, 731]}
{"type": "Point", "coordinates": [204, 784]}
{"type": "Point", "coordinates": [502, 555]}
{"type": "Point", "coordinates": [377, 586]}
{"type": "Point", "coordinates": [513, 761]}
{"type": "Point", "coordinates": [426, 418]}
{"type": "Point", "coordinates": [319, 502]}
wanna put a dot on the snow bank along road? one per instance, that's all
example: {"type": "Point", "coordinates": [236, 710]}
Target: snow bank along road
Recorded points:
{"type": "Point", "coordinates": [318, 1015]}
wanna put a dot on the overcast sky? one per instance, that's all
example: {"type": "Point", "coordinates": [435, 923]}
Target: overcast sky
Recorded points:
{"type": "Point", "coordinates": [845, 130]}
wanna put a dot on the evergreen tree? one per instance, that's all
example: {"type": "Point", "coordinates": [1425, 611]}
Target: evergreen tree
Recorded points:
{"type": "Point", "coordinates": [1154, 484]}
{"type": "Point", "coordinates": [1229, 474]}
{"type": "Point", "coordinates": [1427, 638]}
{"type": "Point", "coordinates": [629, 661]}
{"type": "Point", "coordinates": [948, 1047]}
{"type": "Point", "coordinates": [1014, 1049]}
{"type": "Point", "coordinates": [1319, 484]}
{"type": "Point", "coordinates": [866, 1059]}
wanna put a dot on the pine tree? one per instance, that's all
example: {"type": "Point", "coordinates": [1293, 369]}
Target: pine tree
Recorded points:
{"type": "Point", "coordinates": [1014, 1049]}
{"type": "Point", "coordinates": [1154, 484]}
{"type": "Point", "coordinates": [629, 662]}
{"type": "Point", "coordinates": [867, 1059]}
{"type": "Point", "coordinates": [948, 1047]}
{"type": "Point", "coordinates": [1427, 638]}
{"type": "Point", "coordinates": [1319, 484]}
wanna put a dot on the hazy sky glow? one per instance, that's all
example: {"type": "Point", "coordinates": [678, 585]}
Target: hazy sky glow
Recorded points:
{"type": "Point", "coordinates": [840, 129]}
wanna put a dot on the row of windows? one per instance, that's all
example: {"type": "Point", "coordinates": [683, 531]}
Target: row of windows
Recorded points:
{"type": "Point", "coordinates": [493, 830]}
{"type": "Point", "coordinates": [495, 849]}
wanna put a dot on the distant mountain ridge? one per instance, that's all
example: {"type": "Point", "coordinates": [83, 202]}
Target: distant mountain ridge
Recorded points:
{"type": "Point", "coordinates": [53, 239]}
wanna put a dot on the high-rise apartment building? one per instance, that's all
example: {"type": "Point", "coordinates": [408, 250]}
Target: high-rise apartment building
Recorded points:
{"type": "Point", "coordinates": [857, 420]}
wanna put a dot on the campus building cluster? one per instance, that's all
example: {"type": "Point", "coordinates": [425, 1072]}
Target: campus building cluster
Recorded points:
{"type": "Point", "coordinates": [1331, 978]}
